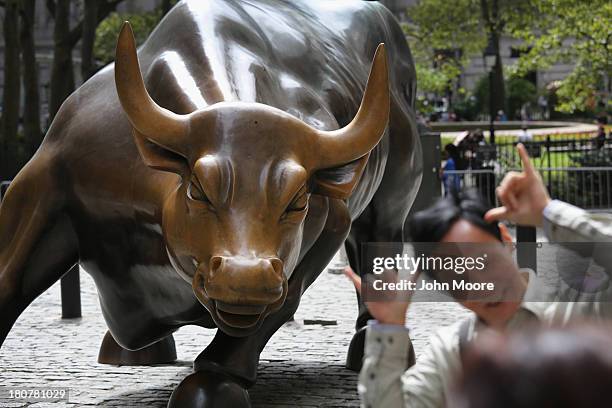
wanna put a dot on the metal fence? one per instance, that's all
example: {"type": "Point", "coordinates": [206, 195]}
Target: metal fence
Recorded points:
{"type": "Point", "coordinates": [484, 180]}
{"type": "Point", "coordinates": [586, 187]}
{"type": "Point", "coordinates": [567, 152]}
{"type": "Point", "coordinates": [575, 169]}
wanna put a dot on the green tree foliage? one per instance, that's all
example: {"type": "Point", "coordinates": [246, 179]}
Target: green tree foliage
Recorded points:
{"type": "Point", "coordinates": [519, 92]}
{"type": "Point", "coordinates": [577, 32]}
{"type": "Point", "coordinates": [108, 31]}
{"type": "Point", "coordinates": [466, 26]}
{"type": "Point", "coordinates": [142, 25]}
{"type": "Point", "coordinates": [441, 25]}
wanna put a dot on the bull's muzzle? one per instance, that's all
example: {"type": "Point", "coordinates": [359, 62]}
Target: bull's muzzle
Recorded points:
{"type": "Point", "coordinates": [244, 281]}
{"type": "Point", "coordinates": [241, 291]}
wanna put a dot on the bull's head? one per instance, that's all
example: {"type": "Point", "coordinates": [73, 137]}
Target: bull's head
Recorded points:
{"type": "Point", "coordinates": [233, 226]}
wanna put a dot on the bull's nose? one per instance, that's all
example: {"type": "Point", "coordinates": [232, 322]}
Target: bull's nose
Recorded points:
{"type": "Point", "coordinates": [245, 281]}
{"type": "Point", "coordinates": [219, 263]}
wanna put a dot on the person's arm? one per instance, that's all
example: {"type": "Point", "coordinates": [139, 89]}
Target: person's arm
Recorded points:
{"type": "Point", "coordinates": [564, 222]}
{"type": "Point", "coordinates": [385, 360]}
{"type": "Point", "coordinates": [385, 381]}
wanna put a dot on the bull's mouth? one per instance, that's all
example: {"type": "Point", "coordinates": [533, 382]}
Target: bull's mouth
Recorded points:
{"type": "Point", "coordinates": [235, 319]}
{"type": "Point", "coordinates": [239, 316]}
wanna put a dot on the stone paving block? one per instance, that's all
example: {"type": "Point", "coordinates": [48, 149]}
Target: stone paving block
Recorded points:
{"type": "Point", "coordinates": [302, 365]}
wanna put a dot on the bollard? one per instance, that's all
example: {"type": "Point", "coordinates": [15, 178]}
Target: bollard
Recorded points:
{"type": "Point", "coordinates": [526, 248]}
{"type": "Point", "coordinates": [71, 293]}
{"type": "Point", "coordinates": [431, 187]}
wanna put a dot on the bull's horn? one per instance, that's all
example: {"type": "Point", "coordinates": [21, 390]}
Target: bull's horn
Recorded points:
{"type": "Point", "coordinates": [360, 136]}
{"type": "Point", "coordinates": [147, 117]}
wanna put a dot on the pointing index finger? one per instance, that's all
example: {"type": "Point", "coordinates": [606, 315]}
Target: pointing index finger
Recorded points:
{"type": "Point", "coordinates": [527, 164]}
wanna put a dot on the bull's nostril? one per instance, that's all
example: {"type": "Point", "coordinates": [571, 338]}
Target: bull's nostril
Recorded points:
{"type": "Point", "coordinates": [215, 264]}
{"type": "Point", "coordinates": [277, 264]}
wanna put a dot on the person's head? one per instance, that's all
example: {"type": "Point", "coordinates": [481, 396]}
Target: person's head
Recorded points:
{"type": "Point", "coordinates": [451, 151]}
{"type": "Point", "coordinates": [601, 130]}
{"type": "Point", "coordinates": [459, 218]}
{"type": "Point", "coordinates": [478, 136]}
{"type": "Point", "coordinates": [433, 223]}
{"type": "Point", "coordinates": [539, 368]}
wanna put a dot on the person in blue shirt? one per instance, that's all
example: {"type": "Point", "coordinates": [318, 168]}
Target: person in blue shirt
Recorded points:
{"type": "Point", "coordinates": [451, 180]}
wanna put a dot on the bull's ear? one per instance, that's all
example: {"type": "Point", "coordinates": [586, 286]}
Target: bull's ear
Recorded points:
{"type": "Point", "coordinates": [158, 157]}
{"type": "Point", "coordinates": [339, 182]}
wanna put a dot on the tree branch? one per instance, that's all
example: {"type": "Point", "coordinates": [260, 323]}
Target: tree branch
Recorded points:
{"type": "Point", "coordinates": [105, 9]}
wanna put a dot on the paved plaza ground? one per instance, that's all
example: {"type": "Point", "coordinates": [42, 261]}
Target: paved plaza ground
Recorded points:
{"type": "Point", "coordinates": [303, 365]}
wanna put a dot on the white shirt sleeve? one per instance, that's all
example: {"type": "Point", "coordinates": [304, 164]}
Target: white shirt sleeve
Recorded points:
{"type": "Point", "coordinates": [385, 360]}
{"type": "Point", "coordinates": [385, 381]}
{"type": "Point", "coordinates": [564, 222]}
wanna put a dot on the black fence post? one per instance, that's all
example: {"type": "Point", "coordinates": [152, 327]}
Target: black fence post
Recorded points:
{"type": "Point", "coordinates": [526, 248]}
{"type": "Point", "coordinates": [548, 164]}
{"type": "Point", "coordinates": [431, 187]}
{"type": "Point", "coordinates": [71, 293]}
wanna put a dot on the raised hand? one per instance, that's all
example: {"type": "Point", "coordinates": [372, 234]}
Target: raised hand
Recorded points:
{"type": "Point", "coordinates": [387, 310]}
{"type": "Point", "coordinates": [523, 195]}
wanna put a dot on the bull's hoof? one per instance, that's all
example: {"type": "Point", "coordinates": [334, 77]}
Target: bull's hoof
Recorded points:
{"type": "Point", "coordinates": [204, 389]}
{"type": "Point", "coordinates": [354, 357]}
{"type": "Point", "coordinates": [161, 352]}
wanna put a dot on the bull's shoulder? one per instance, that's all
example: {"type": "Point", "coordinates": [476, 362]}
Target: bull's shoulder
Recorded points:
{"type": "Point", "coordinates": [94, 107]}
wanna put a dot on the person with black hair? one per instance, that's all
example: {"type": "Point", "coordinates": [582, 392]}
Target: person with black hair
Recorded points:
{"type": "Point", "coordinates": [456, 219]}
{"type": "Point", "coordinates": [561, 367]}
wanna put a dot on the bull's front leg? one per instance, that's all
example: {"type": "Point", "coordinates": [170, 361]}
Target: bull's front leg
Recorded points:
{"type": "Point", "coordinates": [228, 366]}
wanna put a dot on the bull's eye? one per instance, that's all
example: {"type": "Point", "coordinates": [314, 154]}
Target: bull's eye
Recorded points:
{"type": "Point", "coordinates": [194, 192]}
{"type": "Point", "coordinates": [299, 202]}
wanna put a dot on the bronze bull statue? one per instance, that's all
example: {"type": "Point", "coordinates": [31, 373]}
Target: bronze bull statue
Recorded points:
{"type": "Point", "coordinates": [211, 176]}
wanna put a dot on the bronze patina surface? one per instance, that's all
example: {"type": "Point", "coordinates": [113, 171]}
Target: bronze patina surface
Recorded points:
{"type": "Point", "coordinates": [211, 176]}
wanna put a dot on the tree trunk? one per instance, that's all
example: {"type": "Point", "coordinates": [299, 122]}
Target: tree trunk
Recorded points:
{"type": "Point", "coordinates": [31, 110]}
{"type": "Point", "coordinates": [494, 27]}
{"type": "Point", "coordinates": [90, 23]}
{"type": "Point", "coordinates": [62, 74]}
{"type": "Point", "coordinates": [499, 87]}
{"type": "Point", "coordinates": [166, 6]}
{"type": "Point", "coordinates": [12, 87]}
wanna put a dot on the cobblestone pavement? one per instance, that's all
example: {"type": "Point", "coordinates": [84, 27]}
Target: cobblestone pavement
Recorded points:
{"type": "Point", "coordinates": [302, 365]}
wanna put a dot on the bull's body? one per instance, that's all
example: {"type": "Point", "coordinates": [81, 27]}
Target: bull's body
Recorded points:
{"type": "Point", "coordinates": [91, 199]}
